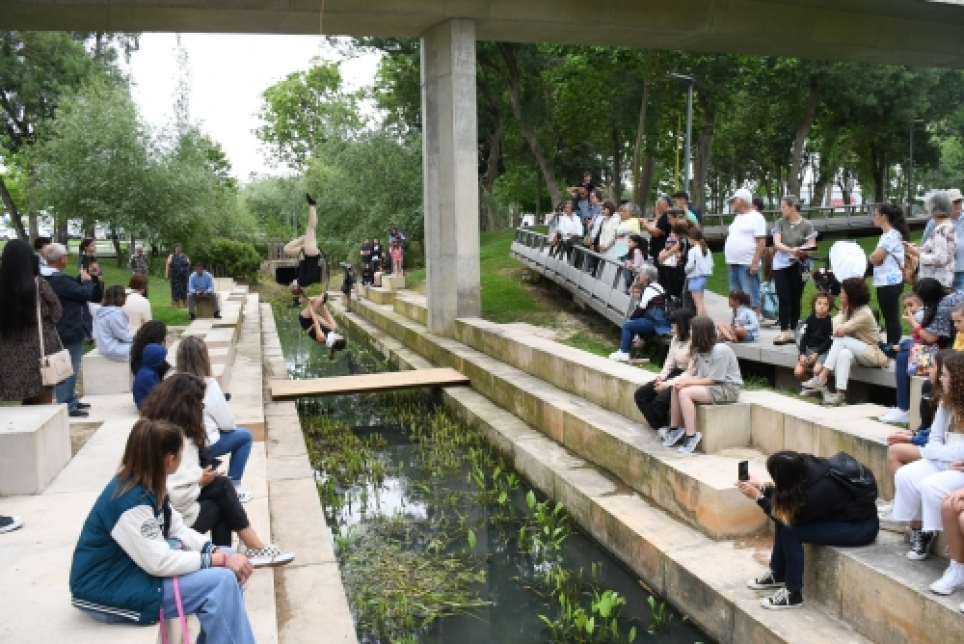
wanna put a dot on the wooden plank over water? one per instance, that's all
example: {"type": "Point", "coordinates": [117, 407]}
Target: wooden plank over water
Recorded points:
{"type": "Point", "coordinates": [411, 379]}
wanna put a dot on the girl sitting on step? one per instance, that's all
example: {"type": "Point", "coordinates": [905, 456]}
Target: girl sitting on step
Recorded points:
{"type": "Point", "coordinates": [920, 487]}
{"type": "Point", "coordinates": [124, 567]}
{"type": "Point", "coordinates": [653, 398]}
{"type": "Point", "coordinates": [714, 378]}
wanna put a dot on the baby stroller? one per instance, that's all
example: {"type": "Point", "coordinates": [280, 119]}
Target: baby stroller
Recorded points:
{"type": "Point", "coordinates": [847, 259]}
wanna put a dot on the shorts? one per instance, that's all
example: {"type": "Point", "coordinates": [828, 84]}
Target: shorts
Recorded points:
{"type": "Point", "coordinates": [697, 284]}
{"type": "Point", "coordinates": [724, 394]}
{"type": "Point", "coordinates": [820, 358]}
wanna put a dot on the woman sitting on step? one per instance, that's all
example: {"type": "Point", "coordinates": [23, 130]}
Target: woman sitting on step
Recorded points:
{"type": "Point", "coordinates": [124, 568]}
{"type": "Point", "coordinates": [807, 505]}
{"type": "Point", "coordinates": [920, 487]}
{"type": "Point", "coordinates": [206, 499]}
{"type": "Point", "coordinates": [318, 323]}
{"type": "Point", "coordinates": [653, 398]}
{"type": "Point", "coordinates": [714, 378]}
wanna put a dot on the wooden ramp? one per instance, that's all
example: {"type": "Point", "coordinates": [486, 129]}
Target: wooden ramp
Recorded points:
{"type": "Point", "coordinates": [411, 379]}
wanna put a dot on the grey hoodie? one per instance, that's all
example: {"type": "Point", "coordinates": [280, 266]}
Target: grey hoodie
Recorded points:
{"type": "Point", "coordinates": [112, 334]}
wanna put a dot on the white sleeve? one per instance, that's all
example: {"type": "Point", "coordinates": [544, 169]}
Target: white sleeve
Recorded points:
{"type": "Point", "coordinates": [192, 539]}
{"type": "Point", "coordinates": [690, 260]}
{"type": "Point", "coordinates": [140, 535]}
{"type": "Point", "coordinates": [217, 407]}
{"type": "Point", "coordinates": [760, 227]}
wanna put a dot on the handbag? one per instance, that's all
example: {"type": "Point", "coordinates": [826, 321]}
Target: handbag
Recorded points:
{"type": "Point", "coordinates": [182, 618]}
{"type": "Point", "coordinates": [56, 367]}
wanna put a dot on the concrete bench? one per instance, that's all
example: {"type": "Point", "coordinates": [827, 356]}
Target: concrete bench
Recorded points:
{"type": "Point", "coordinates": [102, 375]}
{"type": "Point", "coordinates": [34, 447]}
{"type": "Point", "coordinates": [393, 283]}
{"type": "Point", "coordinates": [723, 426]}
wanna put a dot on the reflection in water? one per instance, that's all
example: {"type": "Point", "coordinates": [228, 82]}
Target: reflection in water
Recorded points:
{"type": "Point", "coordinates": [430, 502]}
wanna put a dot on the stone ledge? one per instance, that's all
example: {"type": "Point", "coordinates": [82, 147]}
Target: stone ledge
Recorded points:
{"type": "Point", "coordinates": [380, 295]}
{"type": "Point", "coordinates": [34, 447]}
{"type": "Point", "coordinates": [105, 376]}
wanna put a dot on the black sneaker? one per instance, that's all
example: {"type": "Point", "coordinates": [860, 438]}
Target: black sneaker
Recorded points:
{"type": "Point", "coordinates": [766, 581]}
{"type": "Point", "coordinates": [9, 524]}
{"type": "Point", "coordinates": [920, 544]}
{"type": "Point", "coordinates": [83, 405]}
{"type": "Point", "coordinates": [217, 316]}
{"type": "Point", "coordinates": [782, 600]}
{"type": "Point", "coordinates": [191, 315]}
{"type": "Point", "coordinates": [78, 413]}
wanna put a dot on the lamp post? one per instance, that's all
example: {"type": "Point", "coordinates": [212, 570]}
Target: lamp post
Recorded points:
{"type": "Point", "coordinates": [910, 169]}
{"type": "Point", "coordinates": [687, 156]}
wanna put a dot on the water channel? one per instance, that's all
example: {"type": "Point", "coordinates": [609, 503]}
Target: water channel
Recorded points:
{"type": "Point", "coordinates": [439, 541]}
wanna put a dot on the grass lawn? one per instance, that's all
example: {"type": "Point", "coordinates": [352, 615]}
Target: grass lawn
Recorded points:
{"type": "Point", "coordinates": [158, 292]}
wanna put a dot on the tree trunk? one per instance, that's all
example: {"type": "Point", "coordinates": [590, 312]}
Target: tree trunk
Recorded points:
{"type": "Point", "coordinates": [646, 184]}
{"type": "Point", "coordinates": [490, 212]}
{"type": "Point", "coordinates": [12, 209]}
{"type": "Point", "coordinates": [639, 195]}
{"type": "Point", "coordinates": [877, 167]}
{"type": "Point", "coordinates": [707, 132]}
{"type": "Point", "coordinates": [515, 100]}
{"type": "Point", "coordinates": [115, 238]}
{"type": "Point", "coordinates": [796, 156]}
{"type": "Point", "coordinates": [617, 167]}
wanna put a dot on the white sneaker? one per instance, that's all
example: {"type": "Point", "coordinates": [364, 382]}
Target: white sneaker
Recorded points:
{"type": "Point", "coordinates": [815, 383]}
{"type": "Point", "coordinates": [9, 524]}
{"type": "Point", "coordinates": [270, 556]}
{"type": "Point", "coordinates": [885, 510]}
{"type": "Point", "coordinates": [895, 416]}
{"type": "Point", "coordinates": [661, 433]}
{"type": "Point", "coordinates": [690, 443]}
{"type": "Point", "coordinates": [243, 495]}
{"type": "Point", "coordinates": [673, 435]}
{"type": "Point", "coordinates": [952, 579]}
{"type": "Point", "coordinates": [619, 356]}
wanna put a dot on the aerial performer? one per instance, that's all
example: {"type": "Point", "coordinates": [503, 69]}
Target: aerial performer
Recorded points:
{"type": "Point", "coordinates": [318, 323]}
{"type": "Point", "coordinates": [305, 249]}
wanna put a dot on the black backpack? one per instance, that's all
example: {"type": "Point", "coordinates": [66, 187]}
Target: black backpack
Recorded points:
{"type": "Point", "coordinates": [854, 476]}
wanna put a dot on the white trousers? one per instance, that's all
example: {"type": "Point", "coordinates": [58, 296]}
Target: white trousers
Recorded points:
{"type": "Point", "coordinates": [920, 489]}
{"type": "Point", "coordinates": [844, 352]}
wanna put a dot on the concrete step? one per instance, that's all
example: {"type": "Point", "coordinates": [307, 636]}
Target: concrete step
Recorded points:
{"type": "Point", "coordinates": [379, 294]}
{"type": "Point", "coordinates": [411, 305]}
{"type": "Point", "coordinates": [697, 489]}
{"type": "Point", "coordinates": [703, 578]}
{"type": "Point", "coordinates": [247, 390]}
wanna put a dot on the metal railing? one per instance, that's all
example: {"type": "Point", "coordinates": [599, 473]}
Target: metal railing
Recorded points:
{"type": "Point", "coordinates": [597, 281]}
{"type": "Point", "coordinates": [824, 218]}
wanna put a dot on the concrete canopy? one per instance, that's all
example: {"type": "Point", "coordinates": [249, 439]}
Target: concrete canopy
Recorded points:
{"type": "Point", "coordinates": [912, 32]}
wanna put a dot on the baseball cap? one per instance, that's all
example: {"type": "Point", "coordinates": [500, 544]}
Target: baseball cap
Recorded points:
{"type": "Point", "coordinates": [743, 194]}
{"type": "Point", "coordinates": [955, 194]}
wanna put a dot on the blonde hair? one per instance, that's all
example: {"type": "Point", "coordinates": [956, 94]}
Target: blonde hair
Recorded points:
{"type": "Point", "coordinates": [193, 357]}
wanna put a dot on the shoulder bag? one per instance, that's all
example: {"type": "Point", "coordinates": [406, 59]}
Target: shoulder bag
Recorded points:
{"type": "Point", "coordinates": [185, 636]}
{"type": "Point", "coordinates": [56, 367]}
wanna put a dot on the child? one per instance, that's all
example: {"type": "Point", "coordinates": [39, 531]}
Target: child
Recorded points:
{"type": "Point", "coordinates": [151, 372]}
{"type": "Point", "coordinates": [769, 300]}
{"type": "Point", "coordinates": [816, 338]}
{"type": "Point", "coordinates": [699, 266]}
{"type": "Point", "coordinates": [653, 398]}
{"type": "Point", "coordinates": [713, 378]}
{"type": "Point", "coordinates": [396, 254]}
{"type": "Point", "coordinates": [672, 260]}
{"type": "Point", "coordinates": [957, 316]}
{"type": "Point", "coordinates": [123, 566]}
{"type": "Point", "coordinates": [111, 332]}
{"type": "Point", "coordinates": [745, 327]}
{"type": "Point", "coordinates": [635, 258]}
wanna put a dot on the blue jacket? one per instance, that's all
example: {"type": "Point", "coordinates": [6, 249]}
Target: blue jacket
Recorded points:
{"type": "Point", "coordinates": [106, 580]}
{"type": "Point", "coordinates": [153, 367]}
{"type": "Point", "coordinates": [202, 282]}
{"type": "Point", "coordinates": [73, 300]}
{"type": "Point", "coordinates": [112, 333]}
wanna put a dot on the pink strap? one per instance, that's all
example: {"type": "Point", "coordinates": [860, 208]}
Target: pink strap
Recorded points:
{"type": "Point", "coordinates": [185, 636]}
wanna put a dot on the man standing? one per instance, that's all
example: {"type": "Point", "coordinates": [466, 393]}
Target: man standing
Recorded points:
{"type": "Point", "coordinates": [137, 264]}
{"type": "Point", "coordinates": [74, 294]}
{"type": "Point", "coordinates": [744, 246]}
{"type": "Point", "coordinates": [201, 285]}
{"type": "Point", "coordinates": [958, 200]}
{"type": "Point", "coordinates": [681, 201]}
{"type": "Point", "coordinates": [40, 247]}
{"type": "Point", "coordinates": [660, 227]}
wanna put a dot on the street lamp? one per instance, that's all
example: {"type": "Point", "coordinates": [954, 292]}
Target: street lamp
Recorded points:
{"type": "Point", "coordinates": [910, 169]}
{"type": "Point", "coordinates": [687, 157]}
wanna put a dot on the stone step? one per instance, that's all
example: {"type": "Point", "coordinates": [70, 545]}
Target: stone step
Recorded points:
{"type": "Point", "coordinates": [104, 376]}
{"type": "Point", "coordinates": [379, 294]}
{"type": "Point", "coordinates": [247, 389]}
{"type": "Point", "coordinates": [34, 447]}
{"type": "Point", "coordinates": [703, 578]}
{"type": "Point", "coordinates": [697, 489]}
{"type": "Point", "coordinates": [411, 305]}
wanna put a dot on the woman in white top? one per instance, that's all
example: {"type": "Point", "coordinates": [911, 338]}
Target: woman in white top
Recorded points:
{"type": "Point", "coordinates": [137, 307]}
{"type": "Point", "coordinates": [653, 398]}
{"type": "Point", "coordinates": [223, 436]}
{"type": "Point", "coordinates": [920, 487]}
{"type": "Point", "coordinates": [628, 225]}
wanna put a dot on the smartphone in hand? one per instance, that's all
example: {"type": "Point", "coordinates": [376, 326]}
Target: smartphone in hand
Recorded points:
{"type": "Point", "coordinates": [743, 471]}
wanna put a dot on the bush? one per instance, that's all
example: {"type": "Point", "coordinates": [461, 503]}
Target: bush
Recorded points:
{"type": "Point", "coordinates": [239, 260]}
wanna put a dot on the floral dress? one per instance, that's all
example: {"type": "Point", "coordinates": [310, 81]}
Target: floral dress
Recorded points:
{"type": "Point", "coordinates": [937, 254]}
{"type": "Point", "coordinates": [20, 353]}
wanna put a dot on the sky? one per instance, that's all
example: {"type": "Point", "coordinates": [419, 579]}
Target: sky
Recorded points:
{"type": "Point", "coordinates": [228, 74]}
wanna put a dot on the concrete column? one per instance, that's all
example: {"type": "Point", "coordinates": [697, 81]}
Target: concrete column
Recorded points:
{"type": "Point", "coordinates": [451, 174]}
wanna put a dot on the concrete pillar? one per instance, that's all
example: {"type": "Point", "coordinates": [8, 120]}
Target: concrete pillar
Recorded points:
{"type": "Point", "coordinates": [451, 174]}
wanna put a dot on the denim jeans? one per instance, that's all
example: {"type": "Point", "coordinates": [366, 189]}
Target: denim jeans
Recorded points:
{"type": "Point", "coordinates": [657, 325]}
{"type": "Point", "coordinates": [786, 560]}
{"type": "Point", "coordinates": [739, 277]}
{"type": "Point", "coordinates": [959, 281]}
{"type": "Point", "coordinates": [237, 443]}
{"type": "Point", "coordinates": [900, 375]}
{"type": "Point", "coordinates": [65, 390]}
{"type": "Point", "coordinates": [213, 594]}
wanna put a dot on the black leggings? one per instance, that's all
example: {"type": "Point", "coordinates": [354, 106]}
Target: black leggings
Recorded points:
{"type": "Point", "coordinates": [888, 298]}
{"type": "Point", "coordinates": [220, 512]}
{"type": "Point", "coordinates": [789, 287]}
{"type": "Point", "coordinates": [655, 406]}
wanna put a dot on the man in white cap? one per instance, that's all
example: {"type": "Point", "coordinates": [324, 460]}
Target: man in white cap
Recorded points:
{"type": "Point", "coordinates": [744, 246]}
{"type": "Point", "coordinates": [958, 200]}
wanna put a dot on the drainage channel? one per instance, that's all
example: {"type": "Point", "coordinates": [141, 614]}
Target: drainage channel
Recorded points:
{"type": "Point", "coordinates": [439, 540]}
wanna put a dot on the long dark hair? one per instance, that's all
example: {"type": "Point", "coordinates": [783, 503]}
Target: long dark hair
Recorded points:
{"type": "Point", "coordinates": [895, 216]}
{"type": "Point", "coordinates": [937, 390]}
{"type": "Point", "coordinates": [703, 334]}
{"type": "Point", "coordinates": [789, 473]}
{"type": "Point", "coordinates": [696, 237]}
{"type": "Point", "coordinates": [151, 332]}
{"type": "Point", "coordinates": [858, 294]}
{"type": "Point", "coordinates": [931, 292]}
{"type": "Point", "coordinates": [682, 317]}
{"type": "Point", "coordinates": [18, 288]}
{"type": "Point", "coordinates": [180, 400]}
{"type": "Point", "coordinates": [143, 461]}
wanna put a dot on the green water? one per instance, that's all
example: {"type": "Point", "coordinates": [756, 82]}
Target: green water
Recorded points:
{"type": "Point", "coordinates": [412, 521]}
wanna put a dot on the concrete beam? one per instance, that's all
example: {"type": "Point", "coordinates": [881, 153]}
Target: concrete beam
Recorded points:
{"type": "Point", "coordinates": [450, 177]}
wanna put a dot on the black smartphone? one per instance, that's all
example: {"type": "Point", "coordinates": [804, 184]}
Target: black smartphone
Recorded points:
{"type": "Point", "coordinates": [743, 471]}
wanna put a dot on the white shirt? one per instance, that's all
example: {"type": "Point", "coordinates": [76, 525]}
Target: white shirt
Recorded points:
{"type": "Point", "coordinates": [569, 224]}
{"type": "Point", "coordinates": [217, 414]}
{"type": "Point", "coordinates": [138, 310]}
{"type": "Point", "coordinates": [741, 239]}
